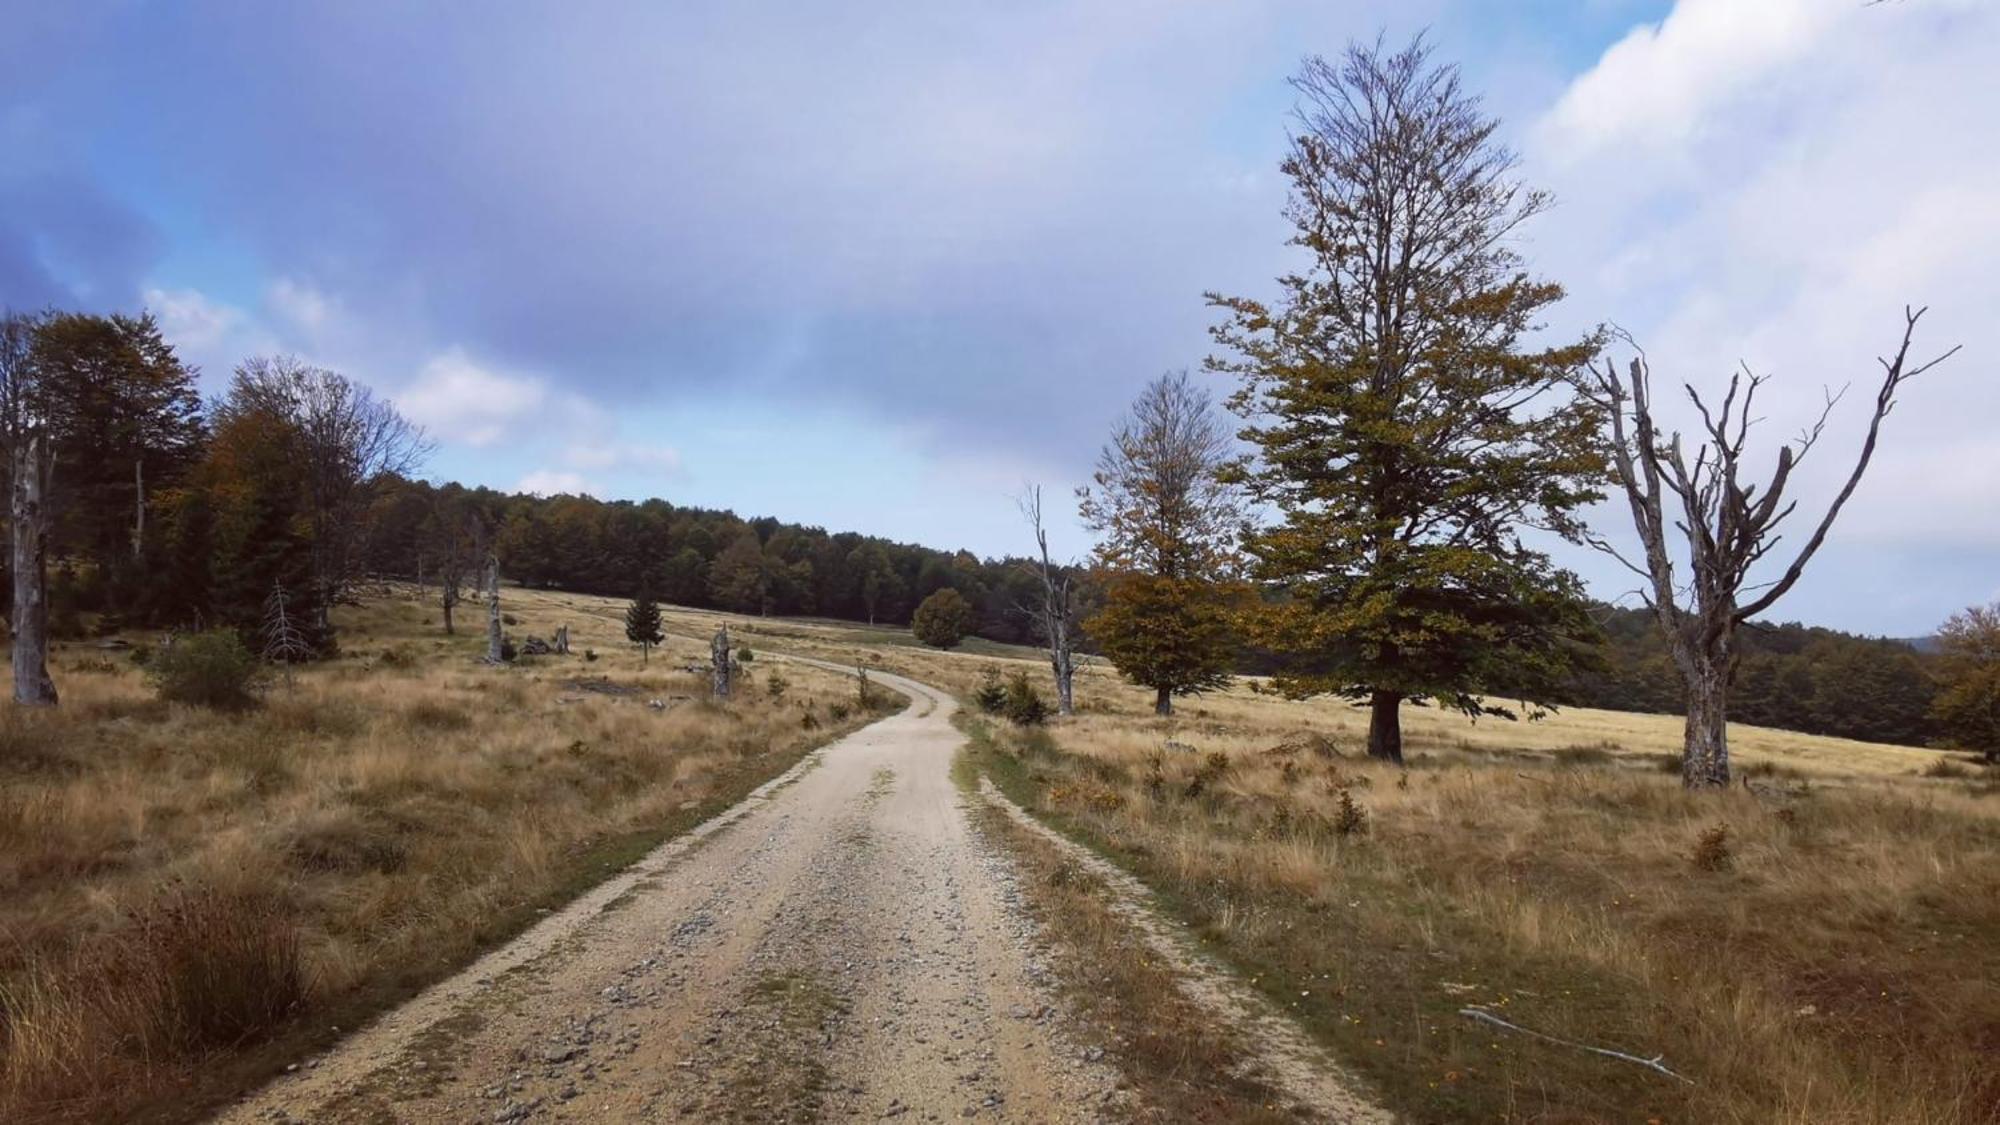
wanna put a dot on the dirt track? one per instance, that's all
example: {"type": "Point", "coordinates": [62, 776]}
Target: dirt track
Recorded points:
{"type": "Point", "coordinates": [843, 945]}
{"type": "Point", "coordinates": [840, 946]}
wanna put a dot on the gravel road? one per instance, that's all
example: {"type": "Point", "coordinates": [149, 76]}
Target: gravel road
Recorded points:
{"type": "Point", "coordinates": [841, 946]}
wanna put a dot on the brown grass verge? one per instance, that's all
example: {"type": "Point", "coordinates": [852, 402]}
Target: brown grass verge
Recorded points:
{"type": "Point", "coordinates": [1830, 953]}
{"type": "Point", "coordinates": [190, 900]}
{"type": "Point", "coordinates": [1181, 1068]}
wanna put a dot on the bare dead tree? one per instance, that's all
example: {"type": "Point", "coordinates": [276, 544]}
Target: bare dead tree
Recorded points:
{"type": "Point", "coordinates": [284, 644]}
{"type": "Point", "coordinates": [1729, 525]}
{"type": "Point", "coordinates": [1056, 611]}
{"type": "Point", "coordinates": [30, 458]}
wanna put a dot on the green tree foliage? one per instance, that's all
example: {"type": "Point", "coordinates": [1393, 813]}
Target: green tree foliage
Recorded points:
{"type": "Point", "coordinates": [1788, 676]}
{"type": "Point", "coordinates": [1174, 635]}
{"type": "Point", "coordinates": [642, 624]}
{"type": "Point", "coordinates": [250, 509]}
{"type": "Point", "coordinates": [741, 577]}
{"type": "Point", "coordinates": [1168, 522]}
{"type": "Point", "coordinates": [121, 409]}
{"type": "Point", "coordinates": [212, 669]}
{"type": "Point", "coordinates": [943, 620]}
{"type": "Point", "coordinates": [123, 402]}
{"type": "Point", "coordinates": [1968, 699]}
{"type": "Point", "coordinates": [1405, 429]}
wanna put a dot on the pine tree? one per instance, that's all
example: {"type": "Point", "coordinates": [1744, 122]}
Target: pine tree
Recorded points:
{"type": "Point", "coordinates": [1405, 429]}
{"type": "Point", "coordinates": [642, 624]}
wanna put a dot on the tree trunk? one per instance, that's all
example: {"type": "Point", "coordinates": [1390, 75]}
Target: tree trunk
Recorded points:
{"type": "Point", "coordinates": [139, 515]}
{"type": "Point", "coordinates": [1163, 703]}
{"type": "Point", "coordinates": [1065, 669]}
{"type": "Point", "coordinates": [562, 640]}
{"type": "Point", "coordinates": [30, 616]}
{"type": "Point", "coordinates": [1705, 753]}
{"type": "Point", "coordinates": [494, 637]}
{"type": "Point", "coordinates": [718, 658]}
{"type": "Point", "coordinates": [450, 600]}
{"type": "Point", "coordinates": [1385, 726]}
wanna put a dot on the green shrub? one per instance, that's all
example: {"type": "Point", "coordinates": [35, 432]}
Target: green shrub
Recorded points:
{"type": "Point", "coordinates": [1024, 706]}
{"type": "Point", "coordinates": [744, 655]}
{"type": "Point", "coordinates": [210, 669]}
{"type": "Point", "coordinates": [943, 619]}
{"type": "Point", "coordinates": [991, 694]}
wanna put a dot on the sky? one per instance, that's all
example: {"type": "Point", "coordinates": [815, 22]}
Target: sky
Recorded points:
{"type": "Point", "coordinates": [874, 267]}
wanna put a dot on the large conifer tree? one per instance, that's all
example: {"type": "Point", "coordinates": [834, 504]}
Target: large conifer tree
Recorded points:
{"type": "Point", "coordinates": [1406, 427]}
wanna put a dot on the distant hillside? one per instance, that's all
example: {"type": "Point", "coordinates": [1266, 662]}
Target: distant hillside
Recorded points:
{"type": "Point", "coordinates": [1792, 676]}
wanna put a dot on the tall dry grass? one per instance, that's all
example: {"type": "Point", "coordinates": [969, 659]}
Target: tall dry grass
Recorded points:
{"type": "Point", "coordinates": [1819, 951]}
{"type": "Point", "coordinates": [190, 898]}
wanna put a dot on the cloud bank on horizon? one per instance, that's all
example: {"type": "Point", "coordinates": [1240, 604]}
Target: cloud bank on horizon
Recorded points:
{"type": "Point", "coordinates": [873, 268]}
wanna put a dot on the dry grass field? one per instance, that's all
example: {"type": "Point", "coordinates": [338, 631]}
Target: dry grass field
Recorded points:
{"type": "Point", "coordinates": [192, 899]}
{"type": "Point", "coordinates": [1821, 946]}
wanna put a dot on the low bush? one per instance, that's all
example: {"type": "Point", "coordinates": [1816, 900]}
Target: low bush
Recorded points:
{"type": "Point", "coordinates": [1024, 705]}
{"type": "Point", "coordinates": [1712, 851]}
{"type": "Point", "coordinates": [210, 669]}
{"type": "Point", "coordinates": [991, 694]}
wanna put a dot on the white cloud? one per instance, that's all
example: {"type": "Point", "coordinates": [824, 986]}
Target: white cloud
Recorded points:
{"type": "Point", "coordinates": [1768, 184]}
{"type": "Point", "coordinates": [1665, 82]}
{"type": "Point", "coordinates": [553, 482]}
{"type": "Point", "coordinates": [189, 320]}
{"type": "Point", "coordinates": [462, 401]}
{"type": "Point", "coordinates": [301, 306]}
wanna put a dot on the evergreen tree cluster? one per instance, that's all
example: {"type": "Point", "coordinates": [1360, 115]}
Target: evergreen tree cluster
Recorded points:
{"type": "Point", "coordinates": [1791, 676]}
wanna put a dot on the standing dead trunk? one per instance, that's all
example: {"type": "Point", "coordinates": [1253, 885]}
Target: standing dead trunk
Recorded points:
{"type": "Point", "coordinates": [139, 515]}
{"type": "Point", "coordinates": [1705, 753]}
{"type": "Point", "coordinates": [1064, 666]}
{"type": "Point", "coordinates": [1057, 614]}
{"type": "Point", "coordinates": [449, 601]}
{"type": "Point", "coordinates": [562, 640]}
{"type": "Point", "coordinates": [1385, 726]}
{"type": "Point", "coordinates": [30, 617]}
{"type": "Point", "coordinates": [495, 640]}
{"type": "Point", "coordinates": [1729, 525]}
{"type": "Point", "coordinates": [1163, 702]}
{"type": "Point", "coordinates": [718, 659]}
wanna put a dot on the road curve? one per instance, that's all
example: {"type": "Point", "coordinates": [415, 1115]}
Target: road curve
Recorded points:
{"type": "Point", "coordinates": [841, 946]}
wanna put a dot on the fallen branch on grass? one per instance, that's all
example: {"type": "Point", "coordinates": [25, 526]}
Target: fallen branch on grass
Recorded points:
{"type": "Point", "coordinates": [1653, 1063]}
